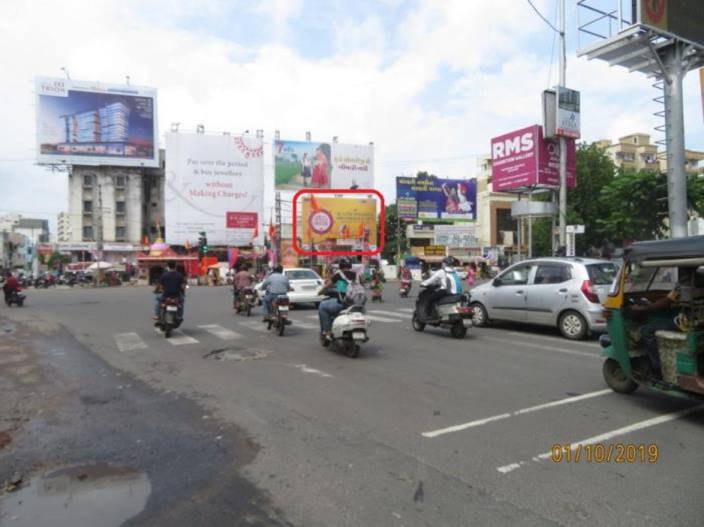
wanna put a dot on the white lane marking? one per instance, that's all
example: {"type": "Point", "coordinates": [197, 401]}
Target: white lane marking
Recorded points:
{"type": "Point", "coordinates": [179, 338]}
{"type": "Point", "coordinates": [304, 325]}
{"type": "Point", "coordinates": [601, 438]}
{"type": "Point", "coordinates": [256, 325]}
{"type": "Point", "coordinates": [221, 332]}
{"type": "Point", "coordinates": [542, 347]}
{"type": "Point", "coordinates": [388, 313]}
{"type": "Point", "coordinates": [382, 319]}
{"type": "Point", "coordinates": [306, 369]}
{"type": "Point", "coordinates": [129, 342]}
{"type": "Point", "coordinates": [406, 310]}
{"type": "Point", "coordinates": [480, 422]}
{"type": "Point", "coordinates": [554, 340]}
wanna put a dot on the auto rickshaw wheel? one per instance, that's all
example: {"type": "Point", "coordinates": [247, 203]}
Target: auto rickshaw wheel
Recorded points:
{"type": "Point", "coordinates": [616, 379]}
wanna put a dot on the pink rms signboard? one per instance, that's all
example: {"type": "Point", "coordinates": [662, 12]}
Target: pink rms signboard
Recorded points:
{"type": "Point", "coordinates": [523, 159]}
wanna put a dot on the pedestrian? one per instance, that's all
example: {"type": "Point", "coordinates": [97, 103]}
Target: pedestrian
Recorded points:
{"type": "Point", "coordinates": [471, 275]}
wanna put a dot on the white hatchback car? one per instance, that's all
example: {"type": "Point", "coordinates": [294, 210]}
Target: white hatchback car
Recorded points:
{"type": "Point", "coordinates": [562, 292]}
{"type": "Point", "coordinates": [305, 283]}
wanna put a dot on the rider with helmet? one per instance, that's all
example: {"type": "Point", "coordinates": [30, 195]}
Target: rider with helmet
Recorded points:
{"type": "Point", "coordinates": [335, 289]}
{"type": "Point", "coordinates": [445, 281]}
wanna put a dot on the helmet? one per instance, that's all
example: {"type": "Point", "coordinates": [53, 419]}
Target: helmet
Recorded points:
{"type": "Point", "coordinates": [344, 263]}
{"type": "Point", "coordinates": [448, 261]}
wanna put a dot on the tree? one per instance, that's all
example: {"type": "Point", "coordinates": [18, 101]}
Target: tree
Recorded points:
{"type": "Point", "coordinates": [393, 232]}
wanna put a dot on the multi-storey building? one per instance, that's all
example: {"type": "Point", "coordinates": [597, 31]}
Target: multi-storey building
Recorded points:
{"type": "Point", "coordinates": [635, 152]}
{"type": "Point", "coordinates": [63, 227]}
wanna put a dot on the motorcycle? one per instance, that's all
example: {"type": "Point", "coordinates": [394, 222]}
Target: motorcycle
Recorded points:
{"type": "Point", "coordinates": [451, 311]}
{"type": "Point", "coordinates": [244, 301]}
{"type": "Point", "coordinates": [169, 316]}
{"type": "Point", "coordinates": [16, 297]}
{"type": "Point", "coordinates": [349, 330]}
{"type": "Point", "coordinates": [405, 288]}
{"type": "Point", "coordinates": [278, 319]}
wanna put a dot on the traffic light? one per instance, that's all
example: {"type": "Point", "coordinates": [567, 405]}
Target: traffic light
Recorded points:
{"type": "Point", "coordinates": [202, 244]}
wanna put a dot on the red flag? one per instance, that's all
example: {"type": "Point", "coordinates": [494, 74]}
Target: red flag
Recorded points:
{"type": "Point", "coordinates": [314, 204]}
{"type": "Point", "coordinates": [272, 231]}
{"type": "Point", "coordinates": [255, 231]}
{"type": "Point", "coordinates": [360, 230]}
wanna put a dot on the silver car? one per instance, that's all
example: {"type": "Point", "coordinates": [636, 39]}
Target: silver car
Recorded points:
{"type": "Point", "coordinates": [562, 292]}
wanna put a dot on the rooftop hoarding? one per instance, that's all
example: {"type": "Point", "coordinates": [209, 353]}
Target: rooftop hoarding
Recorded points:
{"type": "Point", "coordinates": [434, 199]}
{"type": "Point", "coordinates": [215, 184]}
{"type": "Point", "coordinates": [90, 123]}
{"type": "Point", "coordinates": [523, 160]}
{"type": "Point", "coordinates": [306, 164]}
{"type": "Point", "coordinates": [680, 18]}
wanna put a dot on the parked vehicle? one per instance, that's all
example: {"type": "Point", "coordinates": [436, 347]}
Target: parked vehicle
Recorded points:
{"type": "Point", "coordinates": [651, 271]}
{"type": "Point", "coordinates": [562, 292]}
{"type": "Point", "coordinates": [349, 330]}
{"type": "Point", "coordinates": [15, 298]}
{"type": "Point", "coordinates": [244, 301]}
{"type": "Point", "coordinates": [452, 312]}
{"type": "Point", "coordinates": [305, 284]}
{"type": "Point", "coordinates": [278, 318]}
{"type": "Point", "coordinates": [169, 316]}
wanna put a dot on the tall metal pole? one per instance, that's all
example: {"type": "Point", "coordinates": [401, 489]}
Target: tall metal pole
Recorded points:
{"type": "Point", "coordinates": [530, 225]}
{"type": "Point", "coordinates": [674, 135]}
{"type": "Point", "coordinates": [562, 208]}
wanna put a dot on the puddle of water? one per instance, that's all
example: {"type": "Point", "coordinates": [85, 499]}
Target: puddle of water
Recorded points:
{"type": "Point", "coordinates": [77, 496]}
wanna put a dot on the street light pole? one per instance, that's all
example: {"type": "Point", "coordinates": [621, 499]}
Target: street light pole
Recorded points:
{"type": "Point", "coordinates": [562, 206]}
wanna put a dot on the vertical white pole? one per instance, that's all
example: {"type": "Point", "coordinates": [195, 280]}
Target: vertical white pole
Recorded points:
{"type": "Point", "coordinates": [562, 209]}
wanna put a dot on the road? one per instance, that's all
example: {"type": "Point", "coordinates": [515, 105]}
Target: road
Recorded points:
{"type": "Point", "coordinates": [421, 429]}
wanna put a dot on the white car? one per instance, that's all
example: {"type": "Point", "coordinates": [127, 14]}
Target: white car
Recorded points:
{"type": "Point", "coordinates": [305, 283]}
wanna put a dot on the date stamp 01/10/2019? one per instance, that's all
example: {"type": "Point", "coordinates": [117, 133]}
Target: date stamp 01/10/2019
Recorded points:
{"type": "Point", "coordinates": [643, 453]}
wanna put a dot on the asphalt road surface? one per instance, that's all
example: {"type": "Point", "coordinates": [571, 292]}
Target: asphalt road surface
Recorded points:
{"type": "Point", "coordinates": [420, 429]}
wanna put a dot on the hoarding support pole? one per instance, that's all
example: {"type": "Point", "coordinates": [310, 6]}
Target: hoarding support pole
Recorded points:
{"type": "Point", "coordinates": [562, 206]}
{"type": "Point", "coordinates": [674, 136]}
{"type": "Point", "coordinates": [530, 227]}
{"type": "Point", "coordinates": [278, 227]}
{"type": "Point", "coordinates": [398, 241]}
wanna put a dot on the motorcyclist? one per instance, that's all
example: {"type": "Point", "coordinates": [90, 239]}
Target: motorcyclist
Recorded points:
{"type": "Point", "coordinates": [276, 284]}
{"type": "Point", "coordinates": [335, 289]}
{"type": "Point", "coordinates": [11, 286]}
{"type": "Point", "coordinates": [243, 279]}
{"type": "Point", "coordinates": [172, 284]}
{"type": "Point", "coordinates": [443, 282]}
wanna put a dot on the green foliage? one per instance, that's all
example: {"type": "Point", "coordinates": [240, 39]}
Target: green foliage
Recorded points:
{"type": "Point", "coordinates": [393, 232]}
{"type": "Point", "coordinates": [285, 171]}
{"type": "Point", "coordinates": [54, 260]}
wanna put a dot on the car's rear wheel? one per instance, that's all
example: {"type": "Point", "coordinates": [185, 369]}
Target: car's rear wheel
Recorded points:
{"type": "Point", "coordinates": [572, 325]}
{"type": "Point", "coordinates": [480, 318]}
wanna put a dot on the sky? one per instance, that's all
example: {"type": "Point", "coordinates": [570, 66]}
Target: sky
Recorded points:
{"type": "Point", "coordinates": [428, 81]}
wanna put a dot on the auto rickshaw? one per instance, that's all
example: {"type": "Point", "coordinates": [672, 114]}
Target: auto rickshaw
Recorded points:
{"type": "Point", "coordinates": [652, 270]}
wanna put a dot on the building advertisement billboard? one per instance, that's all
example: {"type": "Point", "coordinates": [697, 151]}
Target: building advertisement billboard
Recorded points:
{"type": "Point", "coordinates": [461, 235]}
{"type": "Point", "coordinates": [679, 18]}
{"type": "Point", "coordinates": [305, 164]}
{"type": "Point", "coordinates": [523, 159]}
{"type": "Point", "coordinates": [90, 123]}
{"type": "Point", "coordinates": [214, 183]}
{"type": "Point", "coordinates": [346, 222]}
{"type": "Point", "coordinates": [431, 198]}
{"type": "Point", "coordinates": [567, 121]}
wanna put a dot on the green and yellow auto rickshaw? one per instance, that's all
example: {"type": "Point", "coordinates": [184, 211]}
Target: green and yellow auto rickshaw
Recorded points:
{"type": "Point", "coordinates": [655, 312]}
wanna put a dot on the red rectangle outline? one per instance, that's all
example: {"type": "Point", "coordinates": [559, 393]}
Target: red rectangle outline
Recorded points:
{"type": "Point", "coordinates": [382, 220]}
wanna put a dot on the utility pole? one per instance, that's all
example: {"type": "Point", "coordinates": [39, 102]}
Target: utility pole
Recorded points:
{"type": "Point", "coordinates": [99, 233]}
{"type": "Point", "coordinates": [562, 206]}
{"type": "Point", "coordinates": [278, 227]}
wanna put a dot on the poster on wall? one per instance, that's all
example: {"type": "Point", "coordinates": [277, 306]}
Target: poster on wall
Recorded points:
{"type": "Point", "coordinates": [460, 235]}
{"type": "Point", "coordinates": [215, 184]}
{"type": "Point", "coordinates": [431, 198]}
{"type": "Point", "coordinates": [523, 159]}
{"type": "Point", "coordinates": [342, 222]}
{"type": "Point", "coordinates": [305, 164]}
{"type": "Point", "coordinates": [90, 123]}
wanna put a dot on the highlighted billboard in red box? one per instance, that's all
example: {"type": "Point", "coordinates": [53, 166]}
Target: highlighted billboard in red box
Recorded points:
{"type": "Point", "coordinates": [241, 220]}
{"type": "Point", "coordinates": [338, 222]}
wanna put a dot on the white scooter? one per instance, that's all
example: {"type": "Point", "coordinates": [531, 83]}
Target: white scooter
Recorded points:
{"type": "Point", "coordinates": [452, 311]}
{"type": "Point", "coordinates": [349, 330]}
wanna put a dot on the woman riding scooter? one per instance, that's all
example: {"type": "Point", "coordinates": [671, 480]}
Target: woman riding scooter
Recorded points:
{"type": "Point", "coordinates": [335, 289]}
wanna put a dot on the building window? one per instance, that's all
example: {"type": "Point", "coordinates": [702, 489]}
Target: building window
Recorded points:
{"type": "Point", "coordinates": [87, 207]}
{"type": "Point", "coordinates": [120, 233]}
{"type": "Point", "coordinates": [88, 180]}
{"type": "Point", "coordinates": [120, 181]}
{"type": "Point", "coordinates": [88, 233]}
{"type": "Point", "coordinates": [120, 207]}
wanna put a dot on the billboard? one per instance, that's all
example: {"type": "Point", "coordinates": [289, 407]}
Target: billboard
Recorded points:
{"type": "Point", "coordinates": [567, 121]}
{"type": "Point", "coordinates": [523, 159]}
{"type": "Point", "coordinates": [213, 183]}
{"type": "Point", "coordinates": [305, 164]}
{"type": "Point", "coordinates": [679, 18]}
{"type": "Point", "coordinates": [343, 221]}
{"type": "Point", "coordinates": [89, 123]}
{"type": "Point", "coordinates": [431, 198]}
{"type": "Point", "coordinates": [460, 235]}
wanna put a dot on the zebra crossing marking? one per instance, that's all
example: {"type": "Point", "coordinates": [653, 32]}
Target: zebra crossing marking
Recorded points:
{"type": "Point", "coordinates": [221, 332]}
{"type": "Point", "coordinates": [129, 342]}
{"type": "Point", "coordinates": [179, 338]}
